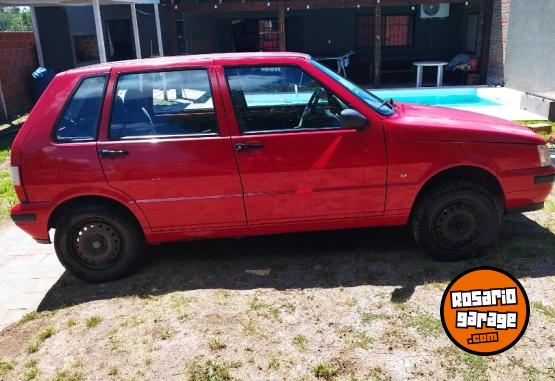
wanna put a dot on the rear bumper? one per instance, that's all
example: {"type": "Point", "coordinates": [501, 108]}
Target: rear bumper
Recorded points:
{"type": "Point", "coordinates": [32, 218]}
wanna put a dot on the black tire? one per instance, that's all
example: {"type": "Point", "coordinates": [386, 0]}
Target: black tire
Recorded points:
{"type": "Point", "coordinates": [456, 221]}
{"type": "Point", "coordinates": [98, 243]}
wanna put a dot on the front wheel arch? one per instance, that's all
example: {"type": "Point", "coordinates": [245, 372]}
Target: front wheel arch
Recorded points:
{"type": "Point", "coordinates": [464, 173]}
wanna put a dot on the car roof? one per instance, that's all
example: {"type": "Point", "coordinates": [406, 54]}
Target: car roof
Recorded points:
{"type": "Point", "coordinates": [164, 61]}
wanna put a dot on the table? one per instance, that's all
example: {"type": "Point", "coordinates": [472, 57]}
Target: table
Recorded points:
{"type": "Point", "coordinates": [419, 68]}
{"type": "Point", "coordinates": [342, 61]}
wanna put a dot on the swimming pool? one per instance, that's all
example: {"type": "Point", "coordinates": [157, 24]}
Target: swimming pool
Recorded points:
{"type": "Point", "coordinates": [448, 97]}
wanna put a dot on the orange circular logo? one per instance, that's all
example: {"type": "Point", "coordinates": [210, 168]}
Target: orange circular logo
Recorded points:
{"type": "Point", "coordinates": [485, 311]}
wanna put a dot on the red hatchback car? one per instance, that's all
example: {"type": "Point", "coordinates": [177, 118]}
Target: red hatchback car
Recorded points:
{"type": "Point", "coordinates": [115, 156]}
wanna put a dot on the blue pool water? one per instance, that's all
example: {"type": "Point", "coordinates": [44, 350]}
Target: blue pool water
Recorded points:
{"type": "Point", "coordinates": [459, 97]}
{"type": "Point", "coordinates": [448, 97]}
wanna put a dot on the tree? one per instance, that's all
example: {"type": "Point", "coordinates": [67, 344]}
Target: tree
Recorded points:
{"type": "Point", "coordinates": [15, 19]}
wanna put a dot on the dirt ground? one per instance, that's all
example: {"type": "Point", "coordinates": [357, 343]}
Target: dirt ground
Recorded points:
{"type": "Point", "coordinates": [345, 305]}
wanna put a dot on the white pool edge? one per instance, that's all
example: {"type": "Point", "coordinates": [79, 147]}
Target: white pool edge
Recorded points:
{"type": "Point", "coordinates": [508, 99]}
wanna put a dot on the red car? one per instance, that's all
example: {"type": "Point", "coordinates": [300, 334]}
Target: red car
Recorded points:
{"type": "Point", "coordinates": [120, 155]}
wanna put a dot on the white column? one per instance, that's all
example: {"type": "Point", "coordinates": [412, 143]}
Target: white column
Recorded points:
{"type": "Point", "coordinates": [158, 31]}
{"type": "Point", "coordinates": [99, 33]}
{"type": "Point", "coordinates": [37, 37]}
{"type": "Point", "coordinates": [135, 31]}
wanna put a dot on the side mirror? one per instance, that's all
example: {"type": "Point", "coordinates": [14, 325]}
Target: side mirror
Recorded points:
{"type": "Point", "coordinates": [353, 120]}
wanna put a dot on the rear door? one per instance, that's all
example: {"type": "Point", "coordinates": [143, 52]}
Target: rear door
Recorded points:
{"type": "Point", "coordinates": [165, 144]}
{"type": "Point", "coordinates": [298, 166]}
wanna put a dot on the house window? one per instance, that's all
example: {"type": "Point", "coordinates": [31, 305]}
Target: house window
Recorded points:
{"type": "Point", "coordinates": [268, 35]}
{"type": "Point", "coordinates": [86, 48]}
{"type": "Point", "coordinates": [397, 30]}
{"type": "Point", "coordinates": [471, 33]}
{"type": "Point", "coordinates": [365, 31]}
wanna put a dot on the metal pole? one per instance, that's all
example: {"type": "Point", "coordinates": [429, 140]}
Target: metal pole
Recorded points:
{"type": "Point", "coordinates": [377, 44]}
{"type": "Point", "coordinates": [99, 33]}
{"type": "Point", "coordinates": [173, 28]}
{"type": "Point", "coordinates": [158, 31]}
{"type": "Point", "coordinates": [281, 19]}
{"type": "Point", "coordinates": [37, 37]}
{"type": "Point", "coordinates": [135, 31]}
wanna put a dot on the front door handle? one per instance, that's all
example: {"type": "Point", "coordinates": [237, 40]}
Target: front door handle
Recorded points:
{"type": "Point", "coordinates": [240, 147]}
{"type": "Point", "coordinates": [107, 153]}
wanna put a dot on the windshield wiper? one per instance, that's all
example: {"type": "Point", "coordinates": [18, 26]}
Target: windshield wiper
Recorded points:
{"type": "Point", "coordinates": [388, 102]}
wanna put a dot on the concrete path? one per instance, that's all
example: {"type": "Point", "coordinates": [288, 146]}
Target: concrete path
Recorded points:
{"type": "Point", "coordinates": [27, 271]}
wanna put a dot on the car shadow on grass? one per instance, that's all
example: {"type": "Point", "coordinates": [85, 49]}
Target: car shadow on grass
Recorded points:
{"type": "Point", "coordinates": [379, 257]}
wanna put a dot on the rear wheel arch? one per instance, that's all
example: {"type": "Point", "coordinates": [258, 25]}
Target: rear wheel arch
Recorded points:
{"type": "Point", "coordinates": [60, 210]}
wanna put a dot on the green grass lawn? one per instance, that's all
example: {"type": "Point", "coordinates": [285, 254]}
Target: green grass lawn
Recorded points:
{"type": "Point", "coordinates": [4, 154]}
{"type": "Point", "coordinates": [5, 144]}
{"type": "Point", "coordinates": [542, 134]}
{"type": "Point", "coordinates": [7, 192]}
{"type": "Point", "coordinates": [527, 122]}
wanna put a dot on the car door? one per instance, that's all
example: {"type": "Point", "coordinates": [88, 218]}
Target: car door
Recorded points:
{"type": "Point", "coordinates": [166, 144]}
{"type": "Point", "coordinates": [293, 171]}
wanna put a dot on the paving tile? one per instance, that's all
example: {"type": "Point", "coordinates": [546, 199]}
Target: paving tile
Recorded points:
{"type": "Point", "coordinates": [25, 300]}
{"type": "Point", "coordinates": [28, 270]}
{"type": "Point", "coordinates": [11, 316]}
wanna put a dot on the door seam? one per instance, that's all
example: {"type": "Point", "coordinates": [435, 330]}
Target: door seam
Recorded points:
{"type": "Point", "coordinates": [218, 70]}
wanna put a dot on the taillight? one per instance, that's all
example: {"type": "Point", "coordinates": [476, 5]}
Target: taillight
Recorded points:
{"type": "Point", "coordinates": [18, 184]}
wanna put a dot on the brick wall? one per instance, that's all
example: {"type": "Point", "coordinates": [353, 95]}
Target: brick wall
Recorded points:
{"type": "Point", "coordinates": [498, 47]}
{"type": "Point", "coordinates": [17, 61]}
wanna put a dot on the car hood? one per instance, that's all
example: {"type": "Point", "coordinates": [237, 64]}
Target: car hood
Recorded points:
{"type": "Point", "coordinates": [417, 122]}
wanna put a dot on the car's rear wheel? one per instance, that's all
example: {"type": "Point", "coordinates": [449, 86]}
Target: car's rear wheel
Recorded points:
{"type": "Point", "coordinates": [456, 221]}
{"type": "Point", "coordinates": [98, 244]}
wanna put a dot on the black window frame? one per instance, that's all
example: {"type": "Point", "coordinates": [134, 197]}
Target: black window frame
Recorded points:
{"type": "Point", "coordinates": [162, 137]}
{"type": "Point", "coordinates": [411, 29]}
{"type": "Point", "coordinates": [54, 136]}
{"type": "Point", "coordinates": [283, 130]}
{"type": "Point", "coordinates": [466, 22]}
{"type": "Point", "coordinates": [371, 32]}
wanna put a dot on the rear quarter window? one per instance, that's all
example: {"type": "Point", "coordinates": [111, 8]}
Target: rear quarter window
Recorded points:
{"type": "Point", "coordinates": [79, 120]}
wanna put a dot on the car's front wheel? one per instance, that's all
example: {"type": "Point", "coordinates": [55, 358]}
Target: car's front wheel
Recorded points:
{"type": "Point", "coordinates": [98, 243]}
{"type": "Point", "coordinates": [456, 221]}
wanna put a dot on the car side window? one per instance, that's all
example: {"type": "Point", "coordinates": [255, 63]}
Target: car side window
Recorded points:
{"type": "Point", "coordinates": [79, 122]}
{"type": "Point", "coordinates": [281, 98]}
{"type": "Point", "coordinates": [163, 104]}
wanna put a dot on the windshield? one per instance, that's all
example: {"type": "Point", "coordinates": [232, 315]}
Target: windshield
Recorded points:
{"type": "Point", "coordinates": [370, 99]}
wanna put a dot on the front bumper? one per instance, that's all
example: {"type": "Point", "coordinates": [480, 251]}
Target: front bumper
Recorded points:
{"type": "Point", "coordinates": [32, 218]}
{"type": "Point", "coordinates": [545, 179]}
{"type": "Point", "coordinates": [527, 189]}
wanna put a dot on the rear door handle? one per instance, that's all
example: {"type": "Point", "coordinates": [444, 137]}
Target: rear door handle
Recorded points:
{"type": "Point", "coordinates": [107, 153]}
{"type": "Point", "coordinates": [240, 147]}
